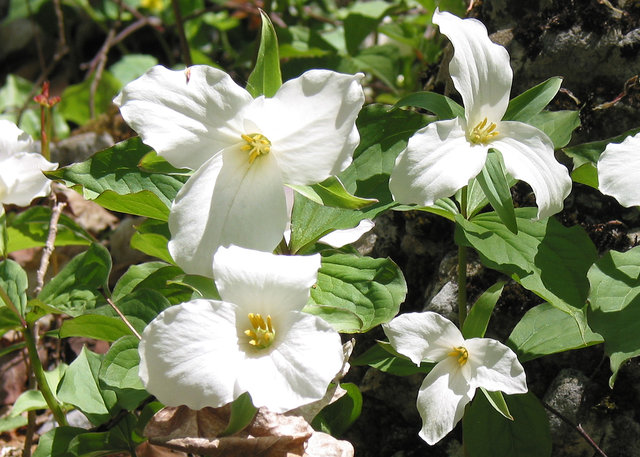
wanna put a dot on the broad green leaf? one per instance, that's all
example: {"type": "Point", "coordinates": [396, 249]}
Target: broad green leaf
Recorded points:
{"type": "Point", "coordinates": [242, 413]}
{"type": "Point", "coordinates": [202, 286]}
{"type": "Point", "coordinates": [74, 105]}
{"type": "Point", "coordinates": [132, 66]}
{"type": "Point", "coordinates": [134, 275]}
{"type": "Point", "coordinates": [76, 288]}
{"type": "Point", "coordinates": [78, 442]}
{"type": "Point", "coordinates": [487, 433]}
{"type": "Point", "coordinates": [586, 174]}
{"type": "Point", "coordinates": [151, 162]}
{"type": "Point", "coordinates": [475, 325]}
{"type": "Point", "coordinates": [381, 61]}
{"type": "Point", "coordinates": [614, 305]}
{"type": "Point", "coordinates": [266, 79]}
{"type": "Point", "coordinates": [558, 125]}
{"type": "Point", "coordinates": [545, 330]}
{"type": "Point", "coordinates": [331, 192]}
{"type": "Point", "coordinates": [361, 21]}
{"type": "Point", "coordinates": [15, 92]}
{"type": "Point", "coordinates": [443, 107]}
{"type": "Point", "coordinates": [80, 387]}
{"type": "Point", "coordinates": [9, 423]}
{"type": "Point", "coordinates": [545, 257]}
{"type": "Point", "coordinates": [152, 237]}
{"type": "Point", "coordinates": [497, 401]}
{"type": "Point", "coordinates": [444, 207]}
{"type": "Point", "coordinates": [116, 170]}
{"type": "Point", "coordinates": [56, 441]}
{"type": "Point", "coordinates": [381, 356]}
{"type": "Point", "coordinates": [494, 183]}
{"type": "Point", "coordinates": [29, 401]}
{"type": "Point", "coordinates": [119, 372]}
{"type": "Point", "coordinates": [529, 103]}
{"type": "Point", "coordinates": [94, 326]}
{"type": "Point", "coordinates": [143, 203]}
{"type": "Point", "coordinates": [139, 307]}
{"type": "Point", "coordinates": [371, 289]}
{"type": "Point", "coordinates": [13, 280]}
{"type": "Point", "coordinates": [337, 417]}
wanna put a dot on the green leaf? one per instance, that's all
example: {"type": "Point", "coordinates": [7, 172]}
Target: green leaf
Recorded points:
{"type": "Point", "coordinates": [56, 441]}
{"type": "Point", "coordinates": [487, 433]}
{"type": "Point", "coordinates": [75, 288]}
{"type": "Point", "coordinates": [4, 235]}
{"type": "Point", "coordinates": [586, 174]}
{"type": "Point", "coordinates": [242, 413]}
{"type": "Point", "coordinates": [529, 103]}
{"type": "Point", "coordinates": [139, 307]}
{"type": "Point", "coordinates": [13, 279]}
{"type": "Point", "coordinates": [77, 442]}
{"type": "Point", "coordinates": [337, 417]}
{"type": "Point", "coordinates": [94, 326]}
{"type": "Point", "coordinates": [152, 237]}
{"type": "Point", "coordinates": [497, 401]}
{"type": "Point", "coordinates": [614, 305]}
{"type": "Point", "coordinates": [151, 162]}
{"type": "Point", "coordinates": [443, 107]}
{"type": "Point", "coordinates": [119, 372]}
{"type": "Point", "coordinates": [331, 192]}
{"type": "Point", "coordinates": [545, 330]}
{"type": "Point", "coordinates": [9, 423]}
{"type": "Point", "coordinates": [266, 79]}
{"type": "Point", "coordinates": [382, 357]}
{"type": "Point", "coordinates": [15, 92]}
{"type": "Point", "coordinates": [134, 275]}
{"type": "Point", "coordinates": [381, 61]}
{"type": "Point", "coordinates": [80, 387]}
{"type": "Point", "coordinates": [74, 105]}
{"type": "Point", "coordinates": [202, 286]}
{"type": "Point", "coordinates": [371, 289]}
{"type": "Point", "coordinates": [132, 66]}
{"type": "Point", "coordinates": [493, 182]}
{"type": "Point", "coordinates": [545, 257]}
{"type": "Point", "coordinates": [116, 170]}
{"type": "Point", "coordinates": [28, 401]}
{"type": "Point", "coordinates": [558, 125]}
{"type": "Point", "coordinates": [475, 325]}
{"type": "Point", "coordinates": [444, 207]}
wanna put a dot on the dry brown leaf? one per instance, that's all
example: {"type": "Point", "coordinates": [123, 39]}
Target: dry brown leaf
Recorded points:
{"type": "Point", "coordinates": [89, 215]}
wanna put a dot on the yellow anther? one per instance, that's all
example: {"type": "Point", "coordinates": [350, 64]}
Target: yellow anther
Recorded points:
{"type": "Point", "coordinates": [461, 353]}
{"type": "Point", "coordinates": [483, 134]}
{"type": "Point", "coordinates": [257, 145]}
{"type": "Point", "coordinates": [261, 332]}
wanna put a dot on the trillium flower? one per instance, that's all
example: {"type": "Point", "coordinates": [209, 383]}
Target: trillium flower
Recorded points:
{"type": "Point", "coordinates": [619, 171]}
{"type": "Point", "coordinates": [256, 339]}
{"type": "Point", "coordinates": [21, 167]}
{"type": "Point", "coordinates": [442, 157]}
{"type": "Point", "coordinates": [243, 150]}
{"type": "Point", "coordinates": [462, 367]}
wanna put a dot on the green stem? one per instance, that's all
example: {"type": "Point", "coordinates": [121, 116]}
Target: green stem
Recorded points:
{"type": "Point", "coordinates": [462, 266]}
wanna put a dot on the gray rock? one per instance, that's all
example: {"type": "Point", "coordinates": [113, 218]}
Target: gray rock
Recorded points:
{"type": "Point", "coordinates": [79, 147]}
{"type": "Point", "coordinates": [445, 302]}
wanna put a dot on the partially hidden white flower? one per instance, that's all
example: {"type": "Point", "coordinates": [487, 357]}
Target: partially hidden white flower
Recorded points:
{"type": "Point", "coordinates": [243, 150]}
{"type": "Point", "coordinates": [257, 339]}
{"type": "Point", "coordinates": [619, 171]}
{"type": "Point", "coordinates": [21, 167]}
{"type": "Point", "coordinates": [442, 157]}
{"type": "Point", "coordinates": [462, 367]}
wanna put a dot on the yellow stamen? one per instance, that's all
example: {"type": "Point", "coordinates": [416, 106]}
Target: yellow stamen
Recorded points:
{"type": "Point", "coordinates": [261, 332]}
{"type": "Point", "coordinates": [257, 145]}
{"type": "Point", "coordinates": [483, 134]}
{"type": "Point", "coordinates": [461, 353]}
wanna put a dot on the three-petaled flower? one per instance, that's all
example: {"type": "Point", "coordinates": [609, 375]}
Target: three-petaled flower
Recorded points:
{"type": "Point", "coordinates": [256, 339]}
{"type": "Point", "coordinates": [442, 157]}
{"type": "Point", "coordinates": [619, 171]}
{"type": "Point", "coordinates": [21, 167]}
{"type": "Point", "coordinates": [462, 367]}
{"type": "Point", "coordinates": [243, 150]}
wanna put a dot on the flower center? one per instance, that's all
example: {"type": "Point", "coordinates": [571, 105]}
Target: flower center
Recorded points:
{"type": "Point", "coordinates": [483, 133]}
{"type": "Point", "coordinates": [461, 353]}
{"type": "Point", "coordinates": [261, 332]}
{"type": "Point", "coordinates": [257, 145]}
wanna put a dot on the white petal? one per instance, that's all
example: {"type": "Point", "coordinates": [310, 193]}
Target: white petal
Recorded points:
{"type": "Point", "coordinates": [495, 367]}
{"type": "Point", "coordinates": [480, 69]}
{"type": "Point", "coordinates": [189, 355]}
{"type": "Point", "coordinates": [441, 400]}
{"type": "Point", "coordinates": [619, 171]}
{"type": "Point", "coordinates": [423, 336]}
{"type": "Point", "coordinates": [528, 156]}
{"type": "Point", "coordinates": [264, 283]}
{"type": "Point", "coordinates": [339, 238]}
{"type": "Point", "coordinates": [437, 162]}
{"type": "Point", "coordinates": [186, 119]}
{"type": "Point", "coordinates": [14, 140]}
{"type": "Point", "coordinates": [21, 174]}
{"type": "Point", "coordinates": [299, 368]}
{"type": "Point", "coordinates": [311, 124]}
{"type": "Point", "coordinates": [227, 201]}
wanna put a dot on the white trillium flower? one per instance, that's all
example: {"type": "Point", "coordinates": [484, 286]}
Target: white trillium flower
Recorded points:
{"type": "Point", "coordinates": [243, 150]}
{"type": "Point", "coordinates": [619, 171]}
{"type": "Point", "coordinates": [462, 367]}
{"type": "Point", "coordinates": [257, 339]}
{"type": "Point", "coordinates": [21, 167]}
{"type": "Point", "coordinates": [442, 157]}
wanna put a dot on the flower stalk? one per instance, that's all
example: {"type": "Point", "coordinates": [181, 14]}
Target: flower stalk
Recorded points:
{"type": "Point", "coordinates": [46, 103]}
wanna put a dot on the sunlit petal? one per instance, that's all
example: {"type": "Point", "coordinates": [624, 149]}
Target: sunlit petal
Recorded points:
{"type": "Point", "coordinates": [339, 238]}
{"type": "Point", "coordinates": [22, 178]}
{"type": "Point", "coordinates": [14, 140]}
{"type": "Point", "coordinates": [495, 367]}
{"type": "Point", "coordinates": [619, 171]}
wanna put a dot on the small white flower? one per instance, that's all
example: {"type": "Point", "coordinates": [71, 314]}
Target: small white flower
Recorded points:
{"type": "Point", "coordinates": [257, 339]}
{"type": "Point", "coordinates": [243, 150]}
{"type": "Point", "coordinates": [462, 367]}
{"type": "Point", "coordinates": [21, 167]}
{"type": "Point", "coordinates": [619, 171]}
{"type": "Point", "coordinates": [442, 157]}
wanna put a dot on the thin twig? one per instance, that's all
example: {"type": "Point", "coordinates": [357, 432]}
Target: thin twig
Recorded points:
{"type": "Point", "coordinates": [50, 244]}
{"type": "Point", "coordinates": [184, 45]}
{"type": "Point", "coordinates": [102, 60]}
{"type": "Point", "coordinates": [578, 428]}
{"type": "Point", "coordinates": [62, 40]}
{"type": "Point", "coordinates": [124, 318]}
